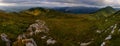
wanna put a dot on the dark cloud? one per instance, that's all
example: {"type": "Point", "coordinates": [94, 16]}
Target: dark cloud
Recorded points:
{"type": "Point", "coordinates": [65, 2]}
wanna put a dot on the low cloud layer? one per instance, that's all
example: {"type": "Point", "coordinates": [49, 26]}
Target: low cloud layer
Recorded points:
{"type": "Point", "coordinates": [61, 3]}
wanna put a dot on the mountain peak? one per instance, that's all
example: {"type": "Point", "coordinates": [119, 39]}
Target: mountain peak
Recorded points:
{"type": "Point", "coordinates": [36, 11]}
{"type": "Point", "coordinates": [108, 7]}
{"type": "Point", "coordinates": [36, 8]}
{"type": "Point", "coordinates": [105, 12]}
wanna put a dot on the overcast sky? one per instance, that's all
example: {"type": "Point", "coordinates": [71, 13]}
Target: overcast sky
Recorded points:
{"type": "Point", "coordinates": [61, 3]}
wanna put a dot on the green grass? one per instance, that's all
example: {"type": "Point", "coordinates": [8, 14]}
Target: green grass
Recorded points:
{"type": "Point", "coordinates": [67, 29]}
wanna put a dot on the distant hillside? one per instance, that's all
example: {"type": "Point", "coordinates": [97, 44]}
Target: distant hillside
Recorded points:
{"type": "Point", "coordinates": [38, 11]}
{"type": "Point", "coordinates": [104, 12]}
{"type": "Point", "coordinates": [77, 10]}
{"type": "Point", "coordinates": [116, 16]}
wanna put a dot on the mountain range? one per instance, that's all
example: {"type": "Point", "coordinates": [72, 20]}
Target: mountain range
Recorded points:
{"type": "Point", "coordinates": [74, 10]}
{"type": "Point", "coordinates": [96, 27]}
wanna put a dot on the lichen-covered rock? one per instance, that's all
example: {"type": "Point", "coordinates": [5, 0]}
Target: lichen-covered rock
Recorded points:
{"type": "Point", "coordinates": [43, 37]}
{"type": "Point", "coordinates": [4, 38]}
{"type": "Point", "coordinates": [29, 42]}
{"type": "Point", "coordinates": [21, 36]}
{"type": "Point", "coordinates": [26, 38]}
{"type": "Point", "coordinates": [50, 41]}
{"type": "Point", "coordinates": [37, 27]}
{"type": "Point", "coordinates": [25, 42]}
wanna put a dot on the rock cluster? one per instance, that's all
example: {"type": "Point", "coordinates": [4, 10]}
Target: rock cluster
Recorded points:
{"type": "Point", "coordinates": [110, 35]}
{"type": "Point", "coordinates": [25, 39]}
{"type": "Point", "coordinates": [4, 38]}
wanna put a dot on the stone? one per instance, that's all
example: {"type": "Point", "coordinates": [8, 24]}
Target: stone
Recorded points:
{"type": "Point", "coordinates": [4, 38]}
{"type": "Point", "coordinates": [43, 37]}
{"type": "Point", "coordinates": [85, 44]}
{"type": "Point", "coordinates": [50, 41]}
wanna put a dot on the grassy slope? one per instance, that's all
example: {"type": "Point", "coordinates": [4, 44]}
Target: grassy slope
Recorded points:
{"type": "Point", "coordinates": [67, 29]}
{"type": "Point", "coordinates": [62, 28]}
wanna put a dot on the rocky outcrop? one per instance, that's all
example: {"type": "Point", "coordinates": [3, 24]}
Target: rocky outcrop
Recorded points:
{"type": "Point", "coordinates": [110, 35]}
{"type": "Point", "coordinates": [4, 38]}
{"type": "Point", "coordinates": [25, 39]}
{"type": "Point", "coordinates": [29, 42]}
{"type": "Point", "coordinates": [37, 27]}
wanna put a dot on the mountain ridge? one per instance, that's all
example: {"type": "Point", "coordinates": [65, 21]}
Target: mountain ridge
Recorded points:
{"type": "Point", "coordinates": [66, 29]}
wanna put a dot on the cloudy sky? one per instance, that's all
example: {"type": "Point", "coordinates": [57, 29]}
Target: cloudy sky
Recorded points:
{"type": "Point", "coordinates": [61, 3]}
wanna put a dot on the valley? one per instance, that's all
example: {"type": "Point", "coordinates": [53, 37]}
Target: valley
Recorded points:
{"type": "Point", "coordinates": [100, 28]}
